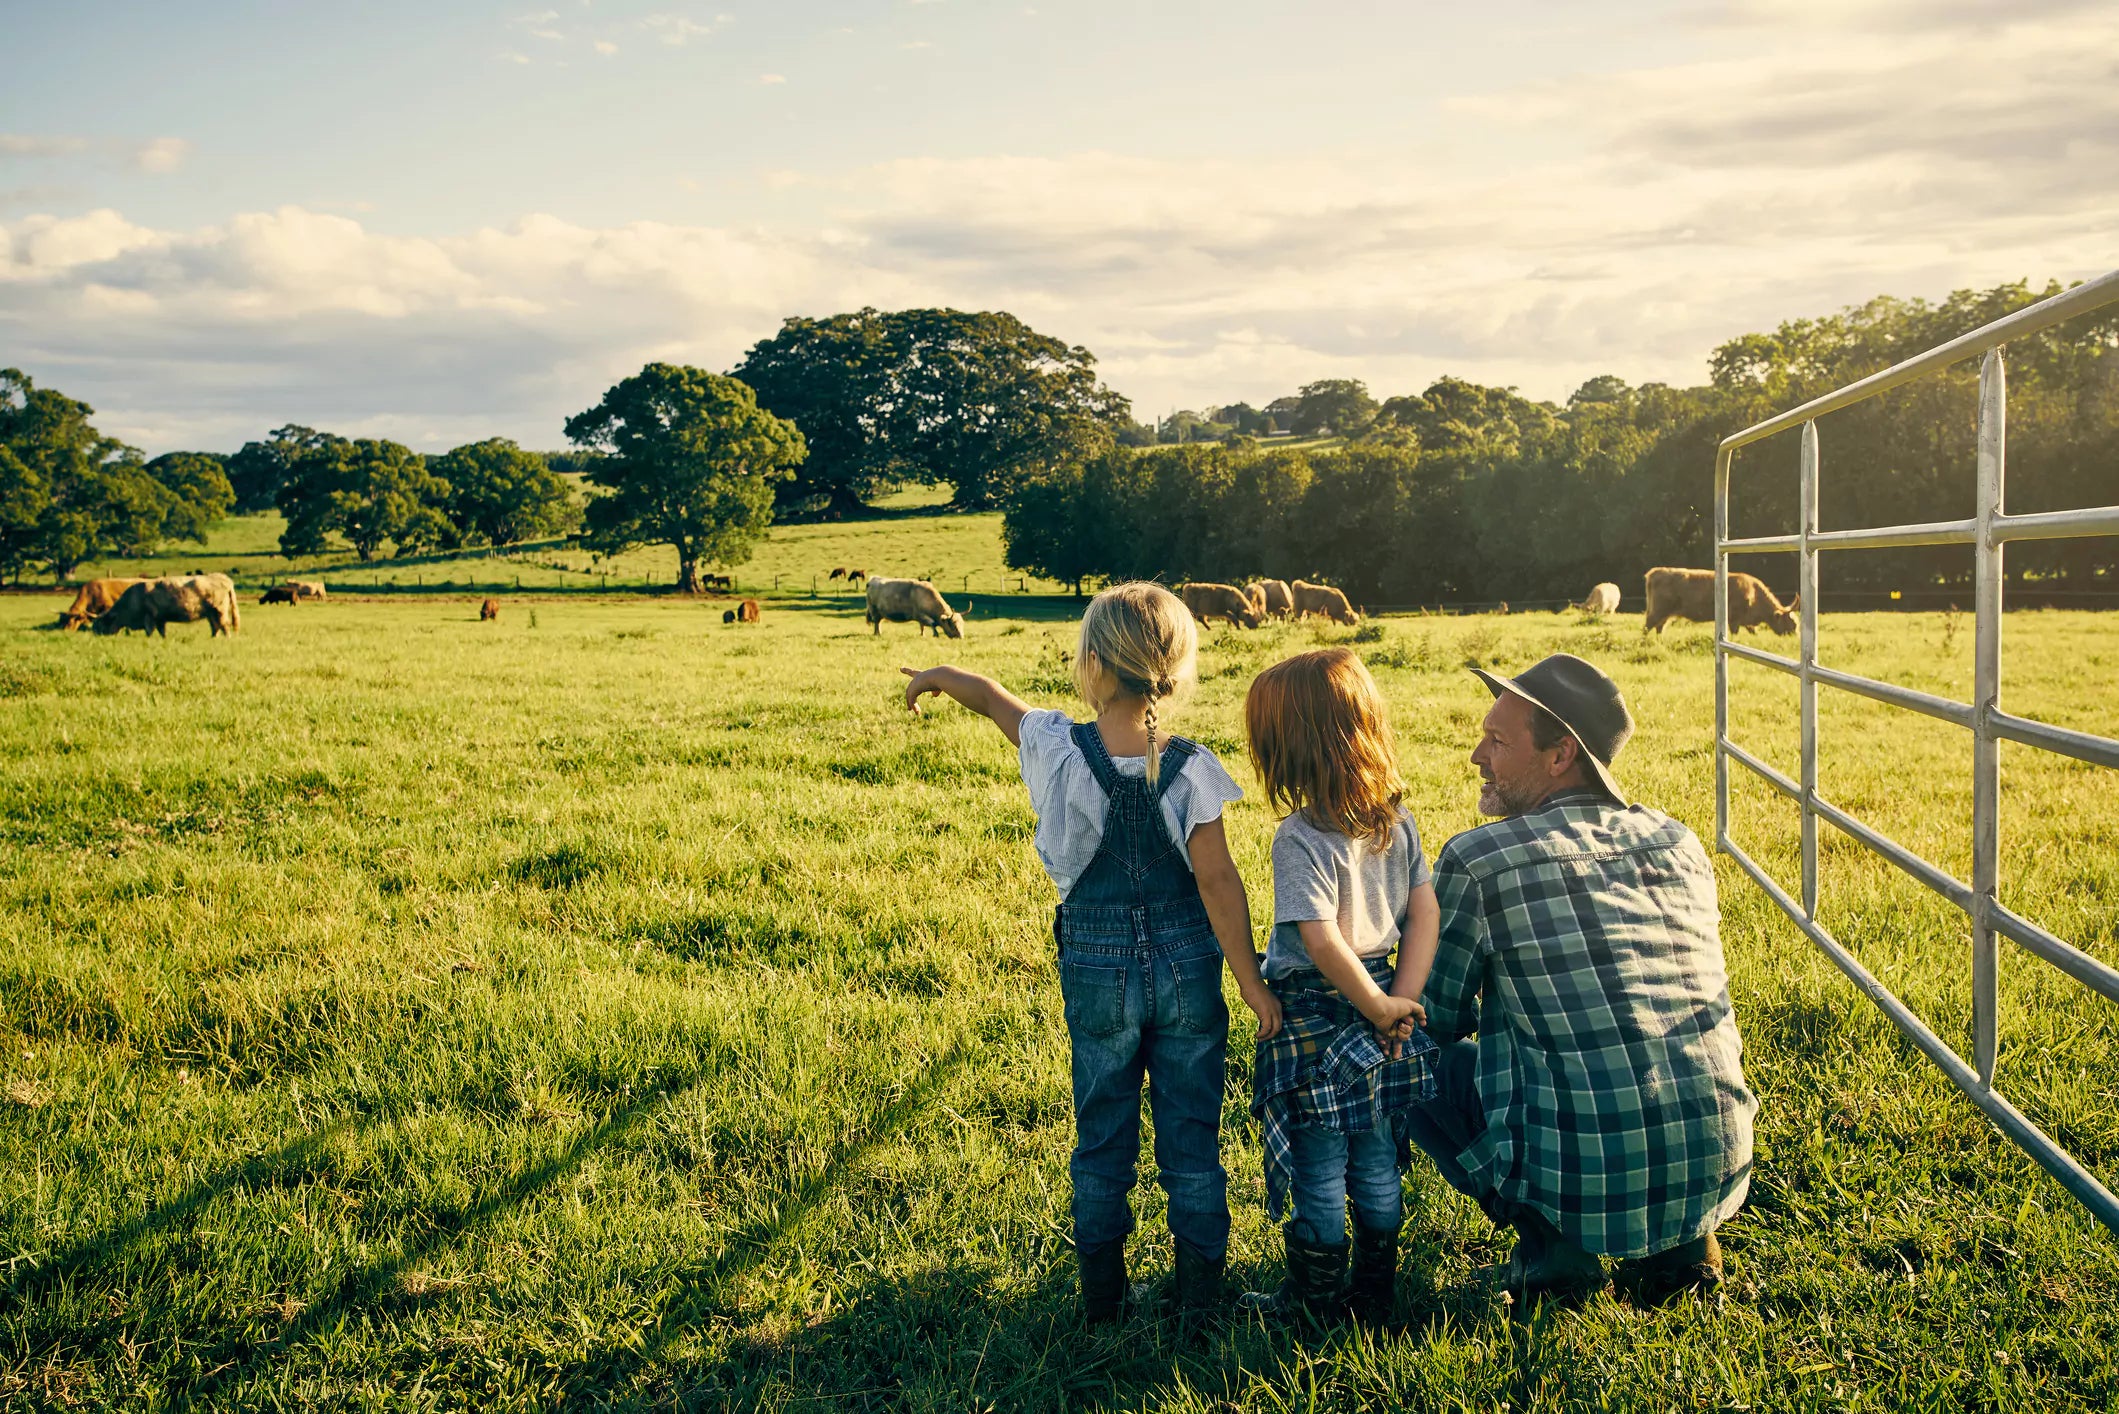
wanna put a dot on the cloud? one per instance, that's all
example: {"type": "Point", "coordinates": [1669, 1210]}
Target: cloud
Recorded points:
{"type": "Point", "coordinates": [164, 154]}
{"type": "Point", "coordinates": [31, 145]}
{"type": "Point", "coordinates": [512, 56]}
{"type": "Point", "coordinates": [674, 29]}
{"type": "Point", "coordinates": [772, 78]}
{"type": "Point", "coordinates": [917, 44]}
{"type": "Point", "coordinates": [605, 47]}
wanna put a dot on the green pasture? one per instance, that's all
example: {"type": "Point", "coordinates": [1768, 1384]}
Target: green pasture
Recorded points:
{"type": "Point", "coordinates": [607, 1007]}
{"type": "Point", "coordinates": [914, 535]}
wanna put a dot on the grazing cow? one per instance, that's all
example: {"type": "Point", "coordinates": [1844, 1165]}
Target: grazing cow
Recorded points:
{"type": "Point", "coordinates": [489, 611]}
{"type": "Point", "coordinates": [837, 573]}
{"type": "Point", "coordinates": [1603, 599]}
{"type": "Point", "coordinates": [1689, 594]}
{"type": "Point", "coordinates": [717, 581]}
{"type": "Point", "coordinates": [913, 600]}
{"type": "Point", "coordinates": [96, 598]}
{"type": "Point", "coordinates": [1209, 602]}
{"type": "Point", "coordinates": [282, 594]}
{"type": "Point", "coordinates": [153, 604]}
{"type": "Point", "coordinates": [1322, 599]}
{"type": "Point", "coordinates": [1272, 598]}
{"type": "Point", "coordinates": [852, 575]}
{"type": "Point", "coordinates": [728, 616]}
{"type": "Point", "coordinates": [307, 588]}
{"type": "Point", "coordinates": [747, 612]}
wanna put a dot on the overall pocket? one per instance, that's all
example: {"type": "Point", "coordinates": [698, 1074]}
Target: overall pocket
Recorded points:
{"type": "Point", "coordinates": [1200, 1005]}
{"type": "Point", "coordinates": [1095, 997]}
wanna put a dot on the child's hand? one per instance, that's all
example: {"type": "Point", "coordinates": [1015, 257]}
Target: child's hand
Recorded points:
{"type": "Point", "coordinates": [922, 685]}
{"type": "Point", "coordinates": [1391, 1016]}
{"type": "Point", "coordinates": [1266, 1007]}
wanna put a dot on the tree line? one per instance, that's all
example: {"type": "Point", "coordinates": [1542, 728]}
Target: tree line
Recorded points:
{"type": "Point", "coordinates": [1472, 493]}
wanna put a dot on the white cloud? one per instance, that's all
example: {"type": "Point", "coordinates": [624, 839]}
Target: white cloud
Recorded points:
{"type": "Point", "coordinates": [917, 44]}
{"type": "Point", "coordinates": [605, 47]}
{"type": "Point", "coordinates": [772, 78]}
{"type": "Point", "coordinates": [513, 56]}
{"type": "Point", "coordinates": [674, 29]}
{"type": "Point", "coordinates": [164, 154]}
{"type": "Point", "coordinates": [32, 145]}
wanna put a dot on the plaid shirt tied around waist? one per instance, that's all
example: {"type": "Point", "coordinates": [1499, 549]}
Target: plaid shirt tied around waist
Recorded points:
{"type": "Point", "coordinates": [1325, 1068]}
{"type": "Point", "coordinates": [1582, 943]}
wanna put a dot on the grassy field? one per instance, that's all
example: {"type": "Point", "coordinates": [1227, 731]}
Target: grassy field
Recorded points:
{"type": "Point", "coordinates": [609, 1007]}
{"type": "Point", "coordinates": [915, 536]}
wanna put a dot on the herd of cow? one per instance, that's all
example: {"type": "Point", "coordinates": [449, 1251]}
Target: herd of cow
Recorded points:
{"type": "Point", "coordinates": [149, 605]}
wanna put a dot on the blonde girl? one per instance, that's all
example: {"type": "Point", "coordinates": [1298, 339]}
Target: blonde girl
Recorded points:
{"type": "Point", "coordinates": [1350, 887]}
{"type": "Point", "coordinates": [1129, 829]}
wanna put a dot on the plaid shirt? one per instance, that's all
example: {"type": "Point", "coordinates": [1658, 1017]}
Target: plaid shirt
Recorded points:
{"type": "Point", "coordinates": [1326, 1068]}
{"type": "Point", "coordinates": [1582, 942]}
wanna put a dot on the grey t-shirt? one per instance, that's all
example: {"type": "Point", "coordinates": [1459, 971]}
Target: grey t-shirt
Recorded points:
{"type": "Point", "coordinates": [1320, 874]}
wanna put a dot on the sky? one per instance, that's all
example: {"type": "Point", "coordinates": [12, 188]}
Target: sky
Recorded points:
{"type": "Point", "coordinates": [449, 220]}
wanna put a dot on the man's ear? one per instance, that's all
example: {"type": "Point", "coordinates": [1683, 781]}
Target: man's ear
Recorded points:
{"type": "Point", "coordinates": [1566, 752]}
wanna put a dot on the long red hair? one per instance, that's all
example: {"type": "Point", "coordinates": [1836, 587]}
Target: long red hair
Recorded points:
{"type": "Point", "coordinates": [1321, 742]}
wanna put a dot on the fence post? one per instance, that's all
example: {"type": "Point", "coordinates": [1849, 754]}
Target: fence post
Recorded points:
{"type": "Point", "coordinates": [1986, 700]}
{"type": "Point", "coordinates": [1806, 586]}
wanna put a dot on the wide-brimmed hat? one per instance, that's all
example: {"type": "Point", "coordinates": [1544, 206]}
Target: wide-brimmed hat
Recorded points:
{"type": "Point", "coordinates": [1585, 701]}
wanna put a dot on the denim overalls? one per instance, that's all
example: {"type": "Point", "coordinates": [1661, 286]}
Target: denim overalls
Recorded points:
{"type": "Point", "coordinates": [1141, 973]}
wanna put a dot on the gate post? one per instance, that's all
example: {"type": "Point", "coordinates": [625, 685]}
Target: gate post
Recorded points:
{"type": "Point", "coordinates": [1806, 588]}
{"type": "Point", "coordinates": [1986, 701]}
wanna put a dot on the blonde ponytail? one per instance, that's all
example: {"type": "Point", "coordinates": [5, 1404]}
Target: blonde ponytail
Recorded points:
{"type": "Point", "coordinates": [1155, 763]}
{"type": "Point", "coordinates": [1140, 639]}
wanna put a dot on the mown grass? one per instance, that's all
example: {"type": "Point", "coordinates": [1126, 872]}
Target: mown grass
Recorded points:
{"type": "Point", "coordinates": [609, 1007]}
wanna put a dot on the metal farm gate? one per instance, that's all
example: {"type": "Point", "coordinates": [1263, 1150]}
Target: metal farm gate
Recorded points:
{"type": "Point", "coordinates": [1988, 530]}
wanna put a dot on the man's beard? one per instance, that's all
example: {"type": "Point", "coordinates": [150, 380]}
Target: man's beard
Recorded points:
{"type": "Point", "coordinates": [1498, 800]}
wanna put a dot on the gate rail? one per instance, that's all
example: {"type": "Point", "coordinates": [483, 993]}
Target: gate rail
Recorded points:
{"type": "Point", "coordinates": [1987, 531]}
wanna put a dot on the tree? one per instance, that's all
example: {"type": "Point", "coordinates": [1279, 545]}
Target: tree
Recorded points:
{"type": "Point", "coordinates": [200, 493]}
{"type": "Point", "coordinates": [500, 493]}
{"type": "Point", "coordinates": [693, 462]}
{"type": "Point", "coordinates": [835, 379]}
{"type": "Point", "coordinates": [23, 498]}
{"type": "Point", "coordinates": [257, 472]}
{"type": "Point", "coordinates": [1336, 406]}
{"type": "Point", "coordinates": [367, 491]}
{"type": "Point", "coordinates": [975, 400]}
{"type": "Point", "coordinates": [93, 496]}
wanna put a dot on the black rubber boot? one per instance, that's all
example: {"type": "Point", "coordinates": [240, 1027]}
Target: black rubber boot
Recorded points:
{"type": "Point", "coordinates": [1544, 1264]}
{"type": "Point", "coordinates": [1372, 1289]}
{"type": "Point", "coordinates": [1198, 1281]}
{"type": "Point", "coordinates": [1103, 1281]}
{"type": "Point", "coordinates": [1311, 1289]}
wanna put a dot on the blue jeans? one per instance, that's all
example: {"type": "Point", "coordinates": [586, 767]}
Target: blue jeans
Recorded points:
{"type": "Point", "coordinates": [1331, 1167]}
{"type": "Point", "coordinates": [1153, 1011]}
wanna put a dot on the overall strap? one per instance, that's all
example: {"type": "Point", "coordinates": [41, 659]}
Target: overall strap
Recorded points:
{"type": "Point", "coordinates": [1175, 754]}
{"type": "Point", "coordinates": [1091, 743]}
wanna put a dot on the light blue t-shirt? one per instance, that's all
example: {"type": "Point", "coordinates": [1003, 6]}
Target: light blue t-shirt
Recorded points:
{"type": "Point", "coordinates": [1319, 874]}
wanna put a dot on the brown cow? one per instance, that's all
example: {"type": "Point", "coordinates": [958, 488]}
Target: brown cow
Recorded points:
{"type": "Point", "coordinates": [282, 594]}
{"type": "Point", "coordinates": [747, 612]}
{"type": "Point", "coordinates": [1272, 597]}
{"type": "Point", "coordinates": [489, 610]}
{"type": "Point", "coordinates": [719, 582]}
{"type": "Point", "coordinates": [96, 598]}
{"type": "Point", "coordinates": [839, 572]}
{"type": "Point", "coordinates": [153, 604]}
{"type": "Point", "coordinates": [1602, 599]}
{"type": "Point", "coordinates": [1322, 599]}
{"type": "Point", "coordinates": [861, 575]}
{"type": "Point", "coordinates": [307, 588]}
{"type": "Point", "coordinates": [1220, 601]}
{"type": "Point", "coordinates": [1689, 594]}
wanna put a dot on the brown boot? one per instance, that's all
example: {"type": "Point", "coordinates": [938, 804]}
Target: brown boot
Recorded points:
{"type": "Point", "coordinates": [1544, 1263]}
{"type": "Point", "coordinates": [1689, 1266]}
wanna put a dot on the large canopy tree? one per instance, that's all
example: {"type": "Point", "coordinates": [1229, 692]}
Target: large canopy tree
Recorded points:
{"type": "Point", "coordinates": [367, 491]}
{"type": "Point", "coordinates": [977, 401]}
{"type": "Point", "coordinates": [200, 494]}
{"type": "Point", "coordinates": [257, 472]}
{"type": "Point", "coordinates": [499, 493]}
{"type": "Point", "coordinates": [692, 464]}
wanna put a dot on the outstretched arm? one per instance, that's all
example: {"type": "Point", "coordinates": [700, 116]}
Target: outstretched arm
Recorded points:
{"type": "Point", "coordinates": [981, 694]}
{"type": "Point", "coordinates": [1229, 910]}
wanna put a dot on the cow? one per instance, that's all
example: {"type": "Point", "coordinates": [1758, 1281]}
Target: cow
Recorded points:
{"type": "Point", "coordinates": [1689, 594]}
{"type": "Point", "coordinates": [718, 581]}
{"type": "Point", "coordinates": [728, 616]}
{"type": "Point", "coordinates": [914, 600]}
{"type": "Point", "coordinates": [1322, 599]}
{"type": "Point", "coordinates": [307, 588]}
{"type": "Point", "coordinates": [839, 572]}
{"type": "Point", "coordinates": [1603, 599]}
{"type": "Point", "coordinates": [747, 612]}
{"type": "Point", "coordinates": [1209, 602]}
{"type": "Point", "coordinates": [1272, 598]}
{"type": "Point", "coordinates": [489, 611]}
{"type": "Point", "coordinates": [153, 604]}
{"type": "Point", "coordinates": [96, 598]}
{"type": "Point", "coordinates": [283, 594]}
{"type": "Point", "coordinates": [852, 575]}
